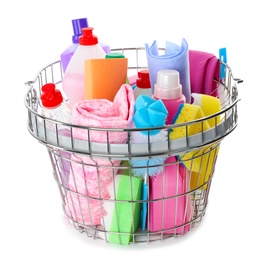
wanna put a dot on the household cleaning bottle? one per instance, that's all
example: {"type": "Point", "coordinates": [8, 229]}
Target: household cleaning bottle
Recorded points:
{"type": "Point", "coordinates": [73, 79]}
{"type": "Point", "coordinates": [169, 90]}
{"type": "Point", "coordinates": [77, 25]}
{"type": "Point", "coordinates": [55, 107]}
{"type": "Point", "coordinates": [142, 86]}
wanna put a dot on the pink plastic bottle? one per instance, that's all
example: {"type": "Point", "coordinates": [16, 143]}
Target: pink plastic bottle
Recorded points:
{"type": "Point", "coordinates": [73, 80]}
{"type": "Point", "coordinates": [68, 53]}
{"type": "Point", "coordinates": [169, 90]}
{"type": "Point", "coordinates": [77, 24]}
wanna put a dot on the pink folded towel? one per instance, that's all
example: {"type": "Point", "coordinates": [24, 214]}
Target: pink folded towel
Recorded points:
{"type": "Point", "coordinates": [88, 185]}
{"type": "Point", "coordinates": [103, 113]}
{"type": "Point", "coordinates": [90, 176]}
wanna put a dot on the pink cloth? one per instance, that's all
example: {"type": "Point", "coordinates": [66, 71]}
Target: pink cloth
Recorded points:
{"type": "Point", "coordinates": [204, 68]}
{"type": "Point", "coordinates": [90, 176]}
{"type": "Point", "coordinates": [103, 113]}
{"type": "Point", "coordinates": [89, 179]}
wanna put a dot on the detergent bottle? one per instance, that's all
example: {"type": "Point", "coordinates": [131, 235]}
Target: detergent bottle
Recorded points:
{"type": "Point", "coordinates": [142, 86]}
{"type": "Point", "coordinates": [77, 25]}
{"type": "Point", "coordinates": [73, 79]}
{"type": "Point", "coordinates": [169, 90]}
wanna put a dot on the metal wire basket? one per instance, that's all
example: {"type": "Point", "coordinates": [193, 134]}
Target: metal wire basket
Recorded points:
{"type": "Point", "coordinates": [81, 167]}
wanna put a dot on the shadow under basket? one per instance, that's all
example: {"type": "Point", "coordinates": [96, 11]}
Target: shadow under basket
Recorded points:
{"type": "Point", "coordinates": [100, 192]}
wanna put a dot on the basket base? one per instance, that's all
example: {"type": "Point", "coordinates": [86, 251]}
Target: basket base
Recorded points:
{"type": "Point", "coordinates": [142, 237]}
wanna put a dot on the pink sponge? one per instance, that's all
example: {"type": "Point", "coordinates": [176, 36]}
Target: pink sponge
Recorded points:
{"type": "Point", "coordinates": [170, 207]}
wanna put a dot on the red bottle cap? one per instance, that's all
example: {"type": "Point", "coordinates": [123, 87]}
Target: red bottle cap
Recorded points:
{"type": "Point", "coordinates": [87, 38]}
{"type": "Point", "coordinates": [143, 79]}
{"type": "Point", "coordinates": [51, 97]}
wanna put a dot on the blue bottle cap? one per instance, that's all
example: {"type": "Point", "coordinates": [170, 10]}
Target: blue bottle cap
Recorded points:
{"type": "Point", "coordinates": [78, 24]}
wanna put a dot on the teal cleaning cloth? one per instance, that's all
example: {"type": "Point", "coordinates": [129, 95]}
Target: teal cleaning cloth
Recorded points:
{"type": "Point", "coordinates": [176, 57]}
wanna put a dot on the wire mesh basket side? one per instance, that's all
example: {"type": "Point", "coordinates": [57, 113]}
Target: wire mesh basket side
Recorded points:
{"type": "Point", "coordinates": [91, 199]}
{"type": "Point", "coordinates": [90, 174]}
{"type": "Point", "coordinates": [49, 131]}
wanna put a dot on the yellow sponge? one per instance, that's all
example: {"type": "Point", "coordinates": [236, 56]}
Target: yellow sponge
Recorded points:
{"type": "Point", "coordinates": [199, 162]}
{"type": "Point", "coordinates": [186, 113]}
{"type": "Point", "coordinates": [209, 105]}
{"type": "Point", "coordinates": [201, 165]}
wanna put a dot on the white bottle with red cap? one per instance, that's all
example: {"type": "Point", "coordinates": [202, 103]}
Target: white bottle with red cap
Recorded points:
{"type": "Point", "coordinates": [54, 107]}
{"type": "Point", "coordinates": [73, 79]}
{"type": "Point", "coordinates": [142, 84]}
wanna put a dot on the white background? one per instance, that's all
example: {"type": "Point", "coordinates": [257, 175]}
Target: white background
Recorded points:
{"type": "Point", "coordinates": [34, 33]}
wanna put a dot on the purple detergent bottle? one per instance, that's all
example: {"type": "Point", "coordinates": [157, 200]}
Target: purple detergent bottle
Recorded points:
{"type": "Point", "coordinates": [77, 24]}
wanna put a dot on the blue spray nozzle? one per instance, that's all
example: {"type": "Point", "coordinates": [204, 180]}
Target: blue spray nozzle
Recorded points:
{"type": "Point", "coordinates": [223, 58]}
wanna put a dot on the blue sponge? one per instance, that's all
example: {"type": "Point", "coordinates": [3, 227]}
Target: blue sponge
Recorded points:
{"type": "Point", "coordinates": [149, 113]}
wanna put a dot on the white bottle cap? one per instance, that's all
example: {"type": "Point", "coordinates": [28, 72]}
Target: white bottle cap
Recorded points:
{"type": "Point", "coordinates": [168, 85]}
